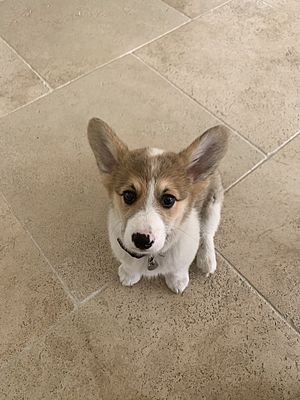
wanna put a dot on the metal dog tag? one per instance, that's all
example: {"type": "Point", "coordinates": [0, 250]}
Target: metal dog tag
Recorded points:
{"type": "Point", "coordinates": [152, 264]}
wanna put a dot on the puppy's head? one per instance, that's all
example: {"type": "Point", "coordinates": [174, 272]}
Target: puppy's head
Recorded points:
{"type": "Point", "coordinates": [152, 191]}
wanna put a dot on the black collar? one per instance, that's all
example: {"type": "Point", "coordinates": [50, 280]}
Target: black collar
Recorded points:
{"type": "Point", "coordinates": [152, 263]}
{"type": "Point", "coordinates": [131, 253]}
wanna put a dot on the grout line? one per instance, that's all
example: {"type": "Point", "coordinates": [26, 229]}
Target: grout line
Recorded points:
{"type": "Point", "coordinates": [259, 294]}
{"type": "Point", "coordinates": [26, 104]}
{"type": "Point", "coordinates": [28, 65]}
{"type": "Point", "coordinates": [129, 52]}
{"type": "Point", "coordinates": [272, 153]}
{"type": "Point", "coordinates": [242, 177]}
{"type": "Point", "coordinates": [92, 295]}
{"type": "Point", "coordinates": [124, 54]}
{"type": "Point", "coordinates": [266, 2]}
{"type": "Point", "coordinates": [177, 10]}
{"type": "Point", "coordinates": [241, 136]}
{"type": "Point", "coordinates": [92, 71]}
{"type": "Point", "coordinates": [212, 9]}
{"type": "Point", "coordinates": [65, 287]}
{"type": "Point", "coordinates": [245, 139]}
{"type": "Point", "coordinates": [261, 162]}
{"type": "Point", "coordinates": [65, 84]}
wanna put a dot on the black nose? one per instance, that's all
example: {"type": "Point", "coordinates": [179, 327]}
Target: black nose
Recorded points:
{"type": "Point", "coordinates": [142, 241]}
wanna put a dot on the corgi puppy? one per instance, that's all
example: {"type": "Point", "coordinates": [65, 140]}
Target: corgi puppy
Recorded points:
{"type": "Point", "coordinates": [165, 206]}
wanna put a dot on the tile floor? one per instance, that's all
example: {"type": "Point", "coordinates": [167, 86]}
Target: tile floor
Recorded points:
{"type": "Point", "coordinates": [160, 72]}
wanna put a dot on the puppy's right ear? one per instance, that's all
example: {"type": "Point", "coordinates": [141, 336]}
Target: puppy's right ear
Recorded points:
{"type": "Point", "coordinates": [203, 156]}
{"type": "Point", "coordinates": [107, 147]}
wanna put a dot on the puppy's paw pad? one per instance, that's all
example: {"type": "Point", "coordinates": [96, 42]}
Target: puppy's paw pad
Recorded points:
{"type": "Point", "coordinates": [126, 278]}
{"type": "Point", "coordinates": [176, 284]}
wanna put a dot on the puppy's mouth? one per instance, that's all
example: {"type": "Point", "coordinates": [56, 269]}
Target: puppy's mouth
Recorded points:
{"type": "Point", "coordinates": [131, 253]}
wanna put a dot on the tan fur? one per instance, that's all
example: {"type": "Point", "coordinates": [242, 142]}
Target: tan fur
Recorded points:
{"type": "Point", "coordinates": [138, 169]}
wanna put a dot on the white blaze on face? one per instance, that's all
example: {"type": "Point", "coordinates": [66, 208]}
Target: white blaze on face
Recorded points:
{"type": "Point", "coordinates": [153, 151]}
{"type": "Point", "coordinates": [147, 222]}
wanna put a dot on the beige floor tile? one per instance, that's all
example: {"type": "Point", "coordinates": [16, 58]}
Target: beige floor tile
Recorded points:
{"type": "Point", "coordinates": [289, 6]}
{"type": "Point", "coordinates": [241, 62]}
{"type": "Point", "coordinates": [193, 8]}
{"type": "Point", "coordinates": [260, 231]}
{"type": "Point", "coordinates": [51, 179]}
{"type": "Point", "coordinates": [63, 39]}
{"type": "Point", "coordinates": [218, 341]}
{"type": "Point", "coordinates": [18, 84]}
{"type": "Point", "coordinates": [31, 298]}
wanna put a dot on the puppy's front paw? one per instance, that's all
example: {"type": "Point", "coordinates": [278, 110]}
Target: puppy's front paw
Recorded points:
{"type": "Point", "coordinates": [177, 283]}
{"type": "Point", "coordinates": [206, 262]}
{"type": "Point", "coordinates": [127, 278]}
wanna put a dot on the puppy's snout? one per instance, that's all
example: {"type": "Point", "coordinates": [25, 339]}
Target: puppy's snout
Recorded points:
{"type": "Point", "coordinates": [142, 241]}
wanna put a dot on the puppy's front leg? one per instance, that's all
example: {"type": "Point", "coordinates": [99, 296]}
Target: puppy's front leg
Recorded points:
{"type": "Point", "coordinates": [182, 254]}
{"type": "Point", "coordinates": [178, 281]}
{"type": "Point", "coordinates": [128, 275]}
{"type": "Point", "coordinates": [206, 256]}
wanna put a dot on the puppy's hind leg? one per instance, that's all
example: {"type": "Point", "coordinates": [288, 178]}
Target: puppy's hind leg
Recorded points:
{"type": "Point", "coordinates": [210, 219]}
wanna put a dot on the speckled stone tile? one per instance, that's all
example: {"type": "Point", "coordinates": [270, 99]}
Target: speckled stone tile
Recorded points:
{"type": "Point", "coordinates": [31, 298]}
{"type": "Point", "coordinates": [218, 341]}
{"type": "Point", "coordinates": [193, 8]}
{"type": "Point", "coordinates": [260, 232]}
{"type": "Point", "coordinates": [63, 39]}
{"type": "Point", "coordinates": [18, 84]}
{"type": "Point", "coordinates": [290, 6]}
{"type": "Point", "coordinates": [242, 62]}
{"type": "Point", "coordinates": [49, 174]}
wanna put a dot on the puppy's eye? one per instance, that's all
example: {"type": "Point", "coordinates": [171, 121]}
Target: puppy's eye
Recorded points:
{"type": "Point", "coordinates": [167, 200]}
{"type": "Point", "coordinates": [129, 197]}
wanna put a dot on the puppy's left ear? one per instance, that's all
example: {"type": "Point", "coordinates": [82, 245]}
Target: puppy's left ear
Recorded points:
{"type": "Point", "coordinates": [203, 156]}
{"type": "Point", "coordinates": [107, 147]}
